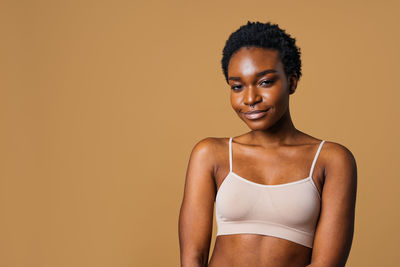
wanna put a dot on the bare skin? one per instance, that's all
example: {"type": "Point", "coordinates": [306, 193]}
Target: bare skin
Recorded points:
{"type": "Point", "coordinates": [273, 152]}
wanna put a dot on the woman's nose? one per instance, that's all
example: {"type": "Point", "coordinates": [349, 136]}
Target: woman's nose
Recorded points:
{"type": "Point", "coordinates": [251, 96]}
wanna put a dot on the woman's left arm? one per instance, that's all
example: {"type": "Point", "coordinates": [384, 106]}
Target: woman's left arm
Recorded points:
{"type": "Point", "coordinates": [334, 232]}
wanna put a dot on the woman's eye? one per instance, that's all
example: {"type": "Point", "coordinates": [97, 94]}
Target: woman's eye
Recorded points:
{"type": "Point", "coordinates": [266, 82]}
{"type": "Point", "coordinates": [236, 87]}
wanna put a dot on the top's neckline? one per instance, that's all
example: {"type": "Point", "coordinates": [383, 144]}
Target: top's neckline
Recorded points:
{"type": "Point", "coordinates": [268, 185]}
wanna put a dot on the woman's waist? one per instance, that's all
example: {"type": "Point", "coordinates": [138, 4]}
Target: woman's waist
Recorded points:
{"type": "Point", "coordinates": [258, 250]}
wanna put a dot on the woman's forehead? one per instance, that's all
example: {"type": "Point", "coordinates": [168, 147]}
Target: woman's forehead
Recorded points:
{"type": "Point", "coordinates": [247, 61]}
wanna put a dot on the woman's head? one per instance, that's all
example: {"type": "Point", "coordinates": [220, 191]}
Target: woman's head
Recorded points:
{"type": "Point", "coordinates": [264, 35]}
{"type": "Point", "coordinates": [261, 65]}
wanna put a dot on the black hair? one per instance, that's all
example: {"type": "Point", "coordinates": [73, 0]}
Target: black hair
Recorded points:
{"type": "Point", "coordinates": [264, 35]}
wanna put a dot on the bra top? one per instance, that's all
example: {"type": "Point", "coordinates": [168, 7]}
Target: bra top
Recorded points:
{"type": "Point", "coordinates": [289, 211]}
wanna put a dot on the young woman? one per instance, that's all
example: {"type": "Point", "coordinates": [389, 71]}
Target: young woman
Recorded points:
{"type": "Point", "coordinates": [283, 198]}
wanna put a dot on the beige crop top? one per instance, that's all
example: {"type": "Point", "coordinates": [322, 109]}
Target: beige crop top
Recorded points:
{"type": "Point", "coordinates": [289, 211]}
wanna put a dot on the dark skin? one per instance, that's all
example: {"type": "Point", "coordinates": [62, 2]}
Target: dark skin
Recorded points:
{"type": "Point", "coordinates": [277, 153]}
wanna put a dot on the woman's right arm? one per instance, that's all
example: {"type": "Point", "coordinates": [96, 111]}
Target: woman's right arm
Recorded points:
{"type": "Point", "coordinates": [196, 212]}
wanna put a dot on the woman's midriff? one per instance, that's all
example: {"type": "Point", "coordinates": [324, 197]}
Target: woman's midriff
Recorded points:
{"type": "Point", "coordinates": [240, 250]}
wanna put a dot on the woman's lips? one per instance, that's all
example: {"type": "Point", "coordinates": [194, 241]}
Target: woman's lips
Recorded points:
{"type": "Point", "coordinates": [255, 115]}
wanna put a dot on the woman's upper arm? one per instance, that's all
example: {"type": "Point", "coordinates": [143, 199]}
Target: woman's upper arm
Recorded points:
{"type": "Point", "coordinates": [196, 212]}
{"type": "Point", "coordinates": [334, 232]}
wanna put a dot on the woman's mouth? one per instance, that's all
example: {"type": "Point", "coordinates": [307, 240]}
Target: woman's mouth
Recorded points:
{"type": "Point", "coordinates": [256, 114]}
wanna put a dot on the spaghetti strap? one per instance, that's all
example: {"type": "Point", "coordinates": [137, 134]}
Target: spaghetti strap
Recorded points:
{"type": "Point", "coordinates": [315, 158]}
{"type": "Point", "coordinates": [230, 154]}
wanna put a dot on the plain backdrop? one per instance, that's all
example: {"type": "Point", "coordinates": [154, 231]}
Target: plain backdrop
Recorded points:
{"type": "Point", "coordinates": [101, 103]}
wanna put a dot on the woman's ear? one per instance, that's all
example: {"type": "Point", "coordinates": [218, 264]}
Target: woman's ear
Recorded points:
{"type": "Point", "coordinates": [292, 83]}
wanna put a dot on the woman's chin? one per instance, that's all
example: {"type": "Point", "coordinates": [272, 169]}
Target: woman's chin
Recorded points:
{"type": "Point", "coordinates": [256, 126]}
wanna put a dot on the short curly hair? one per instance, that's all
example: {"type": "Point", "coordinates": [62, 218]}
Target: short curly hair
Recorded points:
{"type": "Point", "coordinates": [265, 35]}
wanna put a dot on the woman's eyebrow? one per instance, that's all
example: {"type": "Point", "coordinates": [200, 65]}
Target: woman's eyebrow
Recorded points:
{"type": "Point", "coordinates": [261, 73]}
{"type": "Point", "coordinates": [265, 72]}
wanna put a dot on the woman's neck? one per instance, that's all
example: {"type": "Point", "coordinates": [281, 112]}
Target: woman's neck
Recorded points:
{"type": "Point", "coordinates": [283, 131]}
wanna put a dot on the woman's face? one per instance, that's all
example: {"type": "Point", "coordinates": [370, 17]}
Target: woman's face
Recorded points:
{"type": "Point", "coordinates": [258, 83]}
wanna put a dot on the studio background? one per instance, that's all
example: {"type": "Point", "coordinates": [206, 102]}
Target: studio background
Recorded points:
{"type": "Point", "coordinates": [101, 103]}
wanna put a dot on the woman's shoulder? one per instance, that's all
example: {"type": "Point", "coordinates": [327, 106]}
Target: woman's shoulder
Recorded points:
{"type": "Point", "coordinates": [338, 158]}
{"type": "Point", "coordinates": [209, 152]}
{"type": "Point", "coordinates": [337, 150]}
{"type": "Point", "coordinates": [333, 154]}
{"type": "Point", "coordinates": [330, 148]}
{"type": "Point", "coordinates": [210, 145]}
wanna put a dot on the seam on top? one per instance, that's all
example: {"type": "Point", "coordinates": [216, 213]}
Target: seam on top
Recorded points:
{"type": "Point", "coordinates": [270, 185]}
{"type": "Point", "coordinates": [263, 222]}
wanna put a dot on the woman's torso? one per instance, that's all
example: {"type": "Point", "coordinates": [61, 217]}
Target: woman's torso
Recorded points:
{"type": "Point", "coordinates": [266, 166]}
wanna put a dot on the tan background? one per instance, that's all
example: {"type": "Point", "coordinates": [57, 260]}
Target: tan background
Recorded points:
{"type": "Point", "coordinates": [101, 103]}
